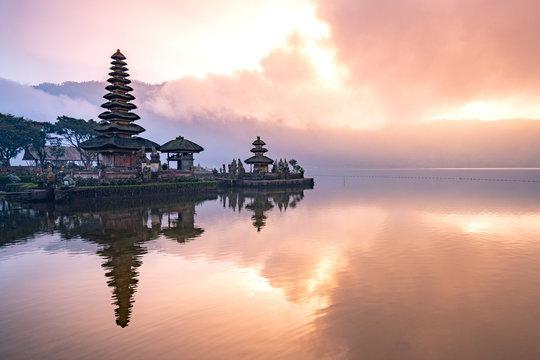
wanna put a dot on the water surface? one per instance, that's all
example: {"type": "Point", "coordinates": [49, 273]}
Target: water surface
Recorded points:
{"type": "Point", "coordinates": [409, 264]}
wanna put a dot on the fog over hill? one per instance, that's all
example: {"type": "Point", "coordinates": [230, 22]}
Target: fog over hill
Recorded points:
{"type": "Point", "coordinates": [169, 111]}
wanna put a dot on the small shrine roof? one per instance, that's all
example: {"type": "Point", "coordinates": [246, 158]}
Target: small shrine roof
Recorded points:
{"type": "Point", "coordinates": [180, 144]}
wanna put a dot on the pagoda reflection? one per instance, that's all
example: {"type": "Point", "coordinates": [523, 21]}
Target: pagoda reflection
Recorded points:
{"type": "Point", "coordinates": [121, 235]}
{"type": "Point", "coordinates": [260, 202]}
{"type": "Point", "coordinates": [120, 232]}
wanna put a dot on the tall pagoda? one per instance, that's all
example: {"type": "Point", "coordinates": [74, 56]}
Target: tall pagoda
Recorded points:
{"type": "Point", "coordinates": [117, 144]}
{"type": "Point", "coordinates": [258, 160]}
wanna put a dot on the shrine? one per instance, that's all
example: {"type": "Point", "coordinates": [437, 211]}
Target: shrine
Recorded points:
{"type": "Point", "coordinates": [181, 150]}
{"type": "Point", "coordinates": [258, 160]}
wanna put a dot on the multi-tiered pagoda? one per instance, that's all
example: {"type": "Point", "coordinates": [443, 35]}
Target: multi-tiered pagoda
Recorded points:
{"type": "Point", "coordinates": [258, 160]}
{"type": "Point", "coordinates": [118, 145]}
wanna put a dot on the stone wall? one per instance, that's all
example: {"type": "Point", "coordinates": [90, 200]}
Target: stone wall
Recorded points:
{"type": "Point", "coordinates": [128, 191]}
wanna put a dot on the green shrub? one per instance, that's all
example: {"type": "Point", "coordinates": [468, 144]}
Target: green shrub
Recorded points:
{"type": "Point", "coordinates": [183, 179]}
{"type": "Point", "coordinates": [79, 181]}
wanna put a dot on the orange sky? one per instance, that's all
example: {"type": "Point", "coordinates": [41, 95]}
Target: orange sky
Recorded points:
{"type": "Point", "coordinates": [344, 64]}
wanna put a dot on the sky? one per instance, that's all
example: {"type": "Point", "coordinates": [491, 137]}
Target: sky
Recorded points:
{"type": "Point", "coordinates": [337, 66]}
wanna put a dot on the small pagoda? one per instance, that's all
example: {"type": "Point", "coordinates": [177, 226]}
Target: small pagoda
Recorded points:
{"type": "Point", "coordinates": [181, 150]}
{"type": "Point", "coordinates": [258, 160]}
{"type": "Point", "coordinates": [117, 144]}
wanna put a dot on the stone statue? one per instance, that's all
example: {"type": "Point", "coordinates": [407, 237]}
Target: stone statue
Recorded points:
{"type": "Point", "coordinates": [155, 156]}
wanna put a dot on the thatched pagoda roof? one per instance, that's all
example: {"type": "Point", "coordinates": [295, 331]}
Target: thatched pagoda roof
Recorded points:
{"type": "Point", "coordinates": [259, 159]}
{"type": "Point", "coordinates": [120, 72]}
{"type": "Point", "coordinates": [118, 105]}
{"type": "Point", "coordinates": [117, 127]}
{"type": "Point", "coordinates": [116, 115]}
{"type": "Point", "coordinates": [118, 87]}
{"type": "Point", "coordinates": [118, 55]}
{"type": "Point", "coordinates": [119, 96]}
{"type": "Point", "coordinates": [259, 142]}
{"type": "Point", "coordinates": [114, 142]}
{"type": "Point", "coordinates": [118, 68]}
{"type": "Point", "coordinates": [118, 80]}
{"type": "Point", "coordinates": [118, 63]}
{"type": "Point", "coordinates": [180, 144]}
{"type": "Point", "coordinates": [256, 150]}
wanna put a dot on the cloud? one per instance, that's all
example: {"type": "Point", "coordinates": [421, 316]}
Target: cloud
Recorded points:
{"type": "Point", "coordinates": [362, 65]}
{"type": "Point", "coordinates": [196, 109]}
{"type": "Point", "coordinates": [288, 88]}
{"type": "Point", "coordinates": [393, 61]}
{"type": "Point", "coordinates": [61, 40]}
{"type": "Point", "coordinates": [397, 71]}
{"type": "Point", "coordinates": [26, 101]}
{"type": "Point", "coordinates": [421, 59]}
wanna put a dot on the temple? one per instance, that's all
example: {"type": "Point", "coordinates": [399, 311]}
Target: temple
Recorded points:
{"type": "Point", "coordinates": [258, 160]}
{"type": "Point", "coordinates": [258, 176]}
{"type": "Point", "coordinates": [117, 144]}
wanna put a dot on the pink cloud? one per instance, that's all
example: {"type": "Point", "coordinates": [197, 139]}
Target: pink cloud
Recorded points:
{"type": "Point", "coordinates": [419, 55]}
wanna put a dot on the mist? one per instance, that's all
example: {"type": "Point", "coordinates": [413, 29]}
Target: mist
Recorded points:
{"type": "Point", "coordinates": [226, 134]}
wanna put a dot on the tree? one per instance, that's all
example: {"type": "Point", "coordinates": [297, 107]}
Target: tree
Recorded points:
{"type": "Point", "coordinates": [77, 131]}
{"type": "Point", "coordinates": [286, 169]}
{"type": "Point", "coordinates": [56, 150]}
{"type": "Point", "coordinates": [241, 169]}
{"type": "Point", "coordinates": [14, 137]}
{"type": "Point", "coordinates": [40, 134]}
{"type": "Point", "coordinates": [233, 168]}
{"type": "Point", "coordinates": [296, 167]}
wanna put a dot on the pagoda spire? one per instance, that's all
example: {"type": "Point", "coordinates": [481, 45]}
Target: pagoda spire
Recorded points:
{"type": "Point", "coordinates": [116, 143]}
{"type": "Point", "coordinates": [118, 105]}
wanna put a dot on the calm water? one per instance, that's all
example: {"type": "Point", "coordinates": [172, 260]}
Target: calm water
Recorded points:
{"type": "Point", "coordinates": [410, 264]}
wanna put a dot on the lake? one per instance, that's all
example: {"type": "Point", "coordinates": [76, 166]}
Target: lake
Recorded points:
{"type": "Point", "coordinates": [370, 264]}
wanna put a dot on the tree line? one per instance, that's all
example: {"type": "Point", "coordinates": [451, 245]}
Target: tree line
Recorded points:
{"type": "Point", "coordinates": [18, 133]}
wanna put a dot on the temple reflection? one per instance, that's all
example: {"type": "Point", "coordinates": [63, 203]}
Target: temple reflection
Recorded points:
{"type": "Point", "coordinates": [18, 223]}
{"type": "Point", "coordinates": [120, 235]}
{"type": "Point", "coordinates": [261, 201]}
{"type": "Point", "coordinates": [180, 225]}
{"type": "Point", "coordinates": [119, 232]}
